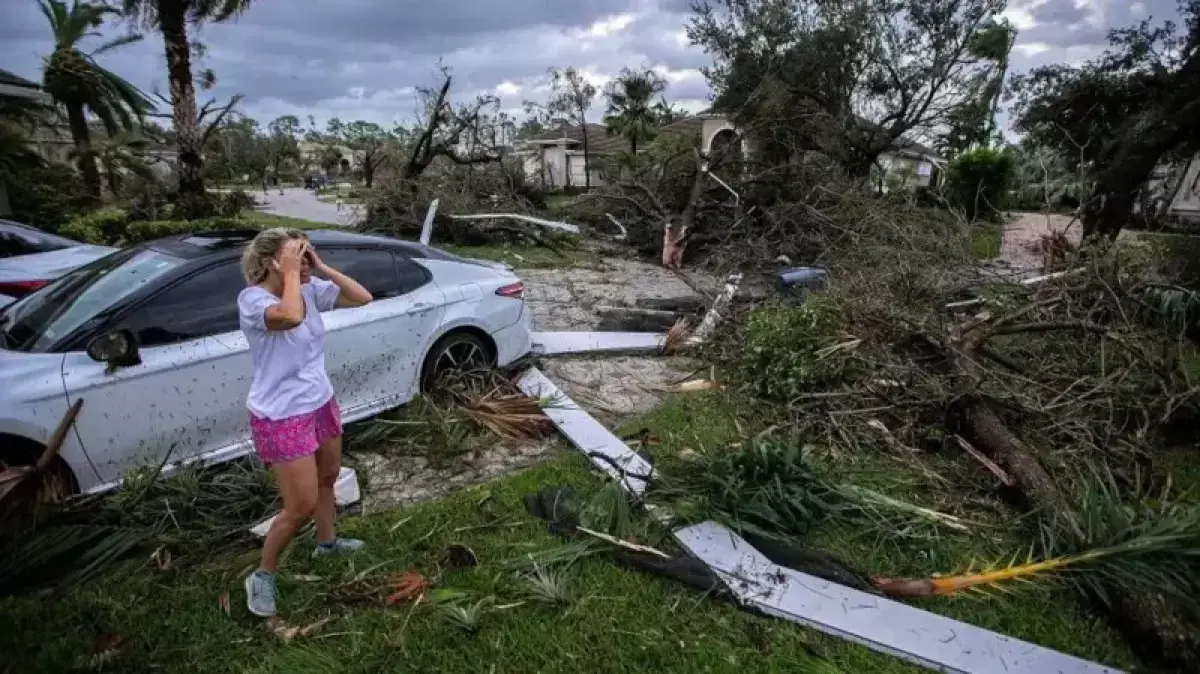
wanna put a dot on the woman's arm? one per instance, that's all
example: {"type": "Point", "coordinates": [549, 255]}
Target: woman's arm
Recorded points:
{"type": "Point", "coordinates": [289, 312]}
{"type": "Point", "coordinates": [350, 292]}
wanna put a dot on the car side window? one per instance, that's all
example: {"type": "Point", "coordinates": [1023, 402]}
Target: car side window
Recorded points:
{"type": "Point", "coordinates": [374, 269]}
{"type": "Point", "coordinates": [12, 245]}
{"type": "Point", "coordinates": [412, 275]}
{"type": "Point", "coordinates": [201, 305]}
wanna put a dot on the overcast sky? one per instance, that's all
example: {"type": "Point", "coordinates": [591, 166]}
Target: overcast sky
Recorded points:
{"type": "Point", "coordinates": [361, 59]}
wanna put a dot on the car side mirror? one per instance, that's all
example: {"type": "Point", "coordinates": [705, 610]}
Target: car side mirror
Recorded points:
{"type": "Point", "coordinates": [118, 349]}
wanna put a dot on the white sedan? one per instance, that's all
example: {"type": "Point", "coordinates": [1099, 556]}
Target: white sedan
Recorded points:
{"type": "Point", "coordinates": [148, 338]}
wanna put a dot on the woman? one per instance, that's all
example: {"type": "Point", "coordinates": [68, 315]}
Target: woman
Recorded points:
{"type": "Point", "coordinates": [294, 418]}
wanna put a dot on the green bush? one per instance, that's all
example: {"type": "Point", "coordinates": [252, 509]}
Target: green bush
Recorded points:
{"type": "Point", "coordinates": [231, 203]}
{"type": "Point", "coordinates": [146, 230]}
{"type": "Point", "coordinates": [44, 196]}
{"type": "Point", "coordinates": [789, 348]}
{"type": "Point", "coordinates": [105, 226]}
{"type": "Point", "coordinates": [978, 182]}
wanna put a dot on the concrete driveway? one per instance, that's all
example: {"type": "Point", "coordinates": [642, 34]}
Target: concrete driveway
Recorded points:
{"type": "Point", "coordinates": [296, 202]}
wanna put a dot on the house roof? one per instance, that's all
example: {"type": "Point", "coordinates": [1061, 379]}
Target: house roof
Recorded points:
{"type": "Point", "coordinates": [14, 80]}
{"type": "Point", "coordinates": [571, 134]}
{"type": "Point", "coordinates": [912, 147]}
{"type": "Point", "coordinates": [601, 142]}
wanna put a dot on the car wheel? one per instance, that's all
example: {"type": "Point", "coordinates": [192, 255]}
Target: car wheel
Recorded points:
{"type": "Point", "coordinates": [58, 482]}
{"type": "Point", "coordinates": [459, 351]}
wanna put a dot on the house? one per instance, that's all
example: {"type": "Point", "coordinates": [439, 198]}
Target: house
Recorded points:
{"type": "Point", "coordinates": [15, 89]}
{"type": "Point", "coordinates": [555, 158]}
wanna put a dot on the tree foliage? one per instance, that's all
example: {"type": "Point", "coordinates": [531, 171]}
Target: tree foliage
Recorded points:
{"type": "Point", "coordinates": [81, 86]}
{"type": "Point", "coordinates": [171, 18]}
{"type": "Point", "coordinates": [845, 79]}
{"type": "Point", "coordinates": [978, 181]}
{"type": "Point", "coordinates": [631, 113]}
{"type": "Point", "coordinates": [1121, 114]}
{"type": "Point", "coordinates": [570, 99]}
{"type": "Point", "coordinates": [371, 144]}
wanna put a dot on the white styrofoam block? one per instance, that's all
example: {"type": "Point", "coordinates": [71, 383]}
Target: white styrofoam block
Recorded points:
{"type": "Point", "coordinates": [921, 637]}
{"type": "Point", "coordinates": [587, 434]}
{"type": "Point", "coordinates": [345, 492]}
{"type": "Point", "coordinates": [555, 343]}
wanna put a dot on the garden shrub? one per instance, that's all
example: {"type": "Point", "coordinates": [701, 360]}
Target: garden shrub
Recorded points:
{"type": "Point", "coordinates": [146, 230]}
{"type": "Point", "coordinates": [231, 203]}
{"type": "Point", "coordinates": [45, 196]}
{"type": "Point", "coordinates": [105, 226]}
{"type": "Point", "coordinates": [787, 347]}
{"type": "Point", "coordinates": [978, 182]}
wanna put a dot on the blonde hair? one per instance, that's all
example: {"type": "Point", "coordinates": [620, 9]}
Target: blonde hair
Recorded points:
{"type": "Point", "coordinates": [256, 259]}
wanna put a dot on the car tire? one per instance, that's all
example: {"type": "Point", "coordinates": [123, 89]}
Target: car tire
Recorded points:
{"type": "Point", "coordinates": [57, 483]}
{"type": "Point", "coordinates": [456, 351]}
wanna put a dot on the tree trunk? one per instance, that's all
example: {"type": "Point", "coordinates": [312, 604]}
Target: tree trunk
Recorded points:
{"type": "Point", "coordinates": [368, 172]}
{"type": "Point", "coordinates": [675, 232]}
{"type": "Point", "coordinates": [1156, 629]}
{"type": "Point", "coordinates": [192, 196]}
{"type": "Point", "coordinates": [587, 172]}
{"type": "Point", "coordinates": [81, 134]}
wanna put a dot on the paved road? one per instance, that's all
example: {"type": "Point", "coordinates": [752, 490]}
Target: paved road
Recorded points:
{"type": "Point", "coordinates": [297, 202]}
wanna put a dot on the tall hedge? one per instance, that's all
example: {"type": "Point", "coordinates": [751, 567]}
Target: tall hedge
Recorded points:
{"type": "Point", "coordinates": [978, 182]}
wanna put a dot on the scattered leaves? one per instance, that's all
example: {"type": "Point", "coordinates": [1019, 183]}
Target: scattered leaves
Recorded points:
{"type": "Point", "coordinates": [223, 602]}
{"type": "Point", "coordinates": [458, 556]}
{"type": "Point", "coordinates": [287, 632]}
{"type": "Point", "coordinates": [409, 586]}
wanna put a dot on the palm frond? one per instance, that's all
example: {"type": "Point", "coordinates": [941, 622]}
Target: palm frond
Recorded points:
{"type": "Point", "coordinates": [117, 43]}
{"type": "Point", "coordinates": [467, 616]}
{"type": "Point", "coordinates": [1125, 547]}
{"type": "Point", "coordinates": [548, 587]}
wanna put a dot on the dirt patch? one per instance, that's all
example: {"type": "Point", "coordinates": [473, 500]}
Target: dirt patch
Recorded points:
{"type": "Point", "coordinates": [613, 389]}
{"type": "Point", "coordinates": [392, 481]}
{"type": "Point", "coordinates": [1024, 232]}
{"type": "Point", "coordinates": [574, 299]}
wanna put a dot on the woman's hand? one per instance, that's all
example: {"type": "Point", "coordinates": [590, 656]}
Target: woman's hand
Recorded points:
{"type": "Point", "coordinates": [314, 260]}
{"type": "Point", "coordinates": [291, 256]}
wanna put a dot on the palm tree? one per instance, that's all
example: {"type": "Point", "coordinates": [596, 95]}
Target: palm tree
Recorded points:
{"type": "Point", "coordinates": [77, 83]}
{"type": "Point", "coordinates": [171, 18]}
{"type": "Point", "coordinates": [630, 113]}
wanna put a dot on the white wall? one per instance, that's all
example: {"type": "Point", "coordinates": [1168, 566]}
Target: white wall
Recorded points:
{"type": "Point", "coordinates": [1187, 199]}
{"type": "Point", "coordinates": [577, 165]}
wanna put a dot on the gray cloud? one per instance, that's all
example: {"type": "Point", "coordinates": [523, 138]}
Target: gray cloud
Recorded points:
{"type": "Point", "coordinates": [363, 58]}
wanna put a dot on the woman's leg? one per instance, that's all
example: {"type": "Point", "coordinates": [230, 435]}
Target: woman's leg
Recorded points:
{"type": "Point", "coordinates": [297, 481]}
{"type": "Point", "coordinates": [329, 462]}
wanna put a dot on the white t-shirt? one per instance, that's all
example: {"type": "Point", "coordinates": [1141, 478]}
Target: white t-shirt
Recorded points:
{"type": "Point", "coordinates": [289, 365]}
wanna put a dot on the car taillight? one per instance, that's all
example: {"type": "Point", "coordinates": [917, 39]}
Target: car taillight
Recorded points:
{"type": "Point", "coordinates": [514, 290]}
{"type": "Point", "coordinates": [20, 288]}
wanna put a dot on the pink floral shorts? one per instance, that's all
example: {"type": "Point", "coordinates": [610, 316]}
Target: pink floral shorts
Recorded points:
{"type": "Point", "coordinates": [282, 440]}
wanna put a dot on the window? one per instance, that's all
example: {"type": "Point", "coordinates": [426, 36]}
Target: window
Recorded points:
{"type": "Point", "coordinates": [374, 269]}
{"type": "Point", "coordinates": [412, 275]}
{"type": "Point", "coordinates": [40, 319]}
{"type": "Point", "coordinates": [16, 239]}
{"type": "Point", "coordinates": [201, 305]}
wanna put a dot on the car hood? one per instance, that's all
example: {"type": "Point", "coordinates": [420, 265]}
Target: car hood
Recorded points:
{"type": "Point", "coordinates": [50, 265]}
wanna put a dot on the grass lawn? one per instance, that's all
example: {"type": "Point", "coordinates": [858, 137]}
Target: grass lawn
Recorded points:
{"type": "Point", "coordinates": [266, 220]}
{"type": "Point", "coordinates": [986, 240]}
{"type": "Point", "coordinates": [332, 199]}
{"type": "Point", "coordinates": [532, 257]}
{"type": "Point", "coordinates": [621, 620]}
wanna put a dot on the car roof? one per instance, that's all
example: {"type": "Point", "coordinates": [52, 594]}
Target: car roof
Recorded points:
{"type": "Point", "coordinates": [224, 242]}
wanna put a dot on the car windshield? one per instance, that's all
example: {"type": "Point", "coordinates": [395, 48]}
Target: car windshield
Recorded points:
{"type": "Point", "coordinates": [36, 239]}
{"type": "Point", "coordinates": [39, 320]}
